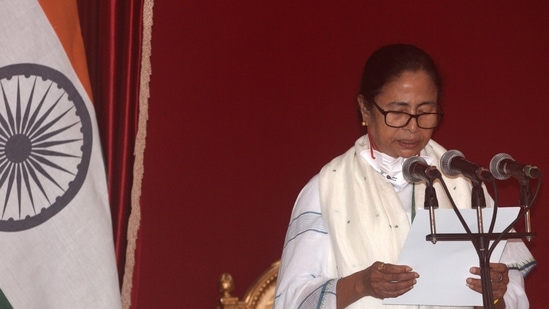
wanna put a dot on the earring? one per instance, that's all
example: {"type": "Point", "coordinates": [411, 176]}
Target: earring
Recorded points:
{"type": "Point", "coordinates": [363, 123]}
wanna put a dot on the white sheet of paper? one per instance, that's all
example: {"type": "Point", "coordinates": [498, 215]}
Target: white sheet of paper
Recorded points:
{"type": "Point", "coordinates": [444, 266]}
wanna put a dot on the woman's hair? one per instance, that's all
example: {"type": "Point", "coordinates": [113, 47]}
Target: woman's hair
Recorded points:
{"type": "Point", "coordinates": [389, 62]}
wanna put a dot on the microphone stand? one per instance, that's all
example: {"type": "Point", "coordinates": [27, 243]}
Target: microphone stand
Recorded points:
{"type": "Point", "coordinates": [478, 202]}
{"type": "Point", "coordinates": [524, 201]}
{"type": "Point", "coordinates": [431, 203]}
{"type": "Point", "coordinates": [482, 243]}
{"type": "Point", "coordinates": [481, 240]}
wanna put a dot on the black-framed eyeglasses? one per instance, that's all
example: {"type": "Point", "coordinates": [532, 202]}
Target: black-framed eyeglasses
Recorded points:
{"type": "Point", "coordinates": [396, 119]}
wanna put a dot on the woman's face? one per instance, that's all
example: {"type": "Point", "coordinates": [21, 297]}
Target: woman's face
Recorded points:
{"type": "Point", "coordinates": [413, 93]}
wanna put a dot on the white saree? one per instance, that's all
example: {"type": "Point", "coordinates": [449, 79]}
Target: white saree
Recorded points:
{"type": "Point", "coordinates": [348, 217]}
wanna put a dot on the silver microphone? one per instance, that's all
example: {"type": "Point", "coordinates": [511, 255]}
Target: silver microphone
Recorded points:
{"type": "Point", "coordinates": [416, 169]}
{"type": "Point", "coordinates": [453, 163]}
{"type": "Point", "coordinates": [504, 166]}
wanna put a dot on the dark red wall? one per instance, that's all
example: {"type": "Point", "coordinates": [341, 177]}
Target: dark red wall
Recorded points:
{"type": "Point", "coordinates": [250, 98]}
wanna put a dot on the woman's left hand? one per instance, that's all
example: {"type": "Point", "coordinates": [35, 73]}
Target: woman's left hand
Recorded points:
{"type": "Point", "coordinates": [499, 275]}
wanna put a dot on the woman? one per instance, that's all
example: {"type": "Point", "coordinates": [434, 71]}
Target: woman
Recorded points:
{"type": "Point", "coordinates": [351, 220]}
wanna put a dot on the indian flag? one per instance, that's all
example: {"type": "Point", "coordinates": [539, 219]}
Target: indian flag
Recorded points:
{"type": "Point", "coordinates": [55, 227]}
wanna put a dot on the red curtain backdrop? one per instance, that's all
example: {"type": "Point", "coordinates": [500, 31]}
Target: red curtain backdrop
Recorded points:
{"type": "Point", "coordinates": [250, 99]}
{"type": "Point", "coordinates": [112, 35]}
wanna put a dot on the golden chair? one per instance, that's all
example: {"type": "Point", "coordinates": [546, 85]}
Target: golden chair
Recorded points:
{"type": "Point", "coordinates": [260, 295]}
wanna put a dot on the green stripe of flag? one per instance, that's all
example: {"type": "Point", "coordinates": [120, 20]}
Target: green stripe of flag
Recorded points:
{"type": "Point", "coordinates": [4, 303]}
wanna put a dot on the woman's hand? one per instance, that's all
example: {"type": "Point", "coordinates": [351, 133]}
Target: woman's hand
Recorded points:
{"type": "Point", "coordinates": [387, 280]}
{"type": "Point", "coordinates": [380, 280]}
{"type": "Point", "coordinates": [499, 275]}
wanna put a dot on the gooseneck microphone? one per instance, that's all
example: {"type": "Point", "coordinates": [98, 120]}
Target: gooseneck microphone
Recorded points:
{"type": "Point", "coordinates": [453, 163]}
{"type": "Point", "coordinates": [416, 169]}
{"type": "Point", "coordinates": [504, 166]}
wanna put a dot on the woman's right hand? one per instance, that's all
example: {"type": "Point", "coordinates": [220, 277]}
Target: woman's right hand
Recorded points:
{"type": "Point", "coordinates": [380, 280]}
{"type": "Point", "coordinates": [383, 280]}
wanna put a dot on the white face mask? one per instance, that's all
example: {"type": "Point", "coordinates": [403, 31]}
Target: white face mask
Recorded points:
{"type": "Point", "coordinates": [390, 168]}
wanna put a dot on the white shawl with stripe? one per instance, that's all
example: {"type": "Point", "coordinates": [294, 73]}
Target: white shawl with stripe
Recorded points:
{"type": "Point", "coordinates": [364, 215]}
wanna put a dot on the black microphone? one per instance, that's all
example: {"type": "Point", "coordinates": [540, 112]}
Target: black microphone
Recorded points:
{"type": "Point", "coordinates": [453, 163]}
{"type": "Point", "coordinates": [504, 166]}
{"type": "Point", "coordinates": [416, 169]}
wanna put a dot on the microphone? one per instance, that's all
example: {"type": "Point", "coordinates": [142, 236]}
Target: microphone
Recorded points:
{"type": "Point", "coordinates": [453, 163]}
{"type": "Point", "coordinates": [504, 166]}
{"type": "Point", "coordinates": [416, 169]}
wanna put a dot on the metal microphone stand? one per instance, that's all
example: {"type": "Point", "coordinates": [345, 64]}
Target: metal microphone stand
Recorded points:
{"type": "Point", "coordinates": [481, 240]}
{"type": "Point", "coordinates": [482, 243]}
{"type": "Point", "coordinates": [524, 201]}
{"type": "Point", "coordinates": [431, 203]}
